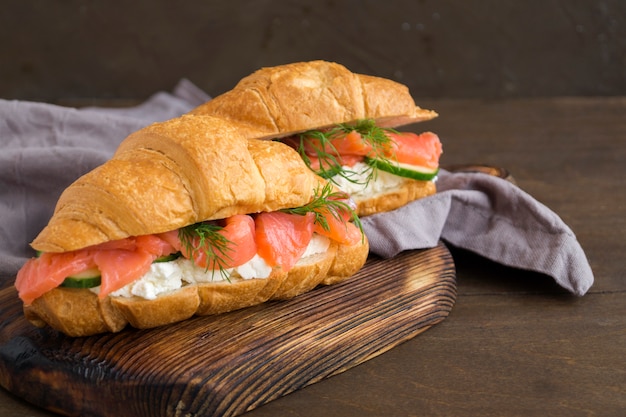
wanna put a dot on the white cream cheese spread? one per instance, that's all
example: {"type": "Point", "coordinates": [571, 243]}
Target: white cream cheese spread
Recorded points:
{"type": "Point", "coordinates": [165, 277]}
{"type": "Point", "coordinates": [358, 186]}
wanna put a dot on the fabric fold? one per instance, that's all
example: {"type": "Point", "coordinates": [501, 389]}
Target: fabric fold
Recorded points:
{"type": "Point", "coordinates": [45, 147]}
{"type": "Point", "coordinates": [488, 216]}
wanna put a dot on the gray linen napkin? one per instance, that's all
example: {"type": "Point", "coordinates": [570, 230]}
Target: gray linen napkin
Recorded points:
{"type": "Point", "coordinates": [491, 217]}
{"type": "Point", "coordinates": [46, 147]}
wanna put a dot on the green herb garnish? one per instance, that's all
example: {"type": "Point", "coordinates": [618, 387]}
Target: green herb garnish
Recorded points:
{"type": "Point", "coordinates": [327, 200]}
{"type": "Point", "coordinates": [205, 238]}
{"type": "Point", "coordinates": [327, 154]}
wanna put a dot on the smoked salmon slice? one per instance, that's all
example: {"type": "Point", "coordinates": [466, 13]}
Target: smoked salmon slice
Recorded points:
{"type": "Point", "coordinates": [350, 148]}
{"type": "Point", "coordinates": [342, 160]}
{"type": "Point", "coordinates": [119, 267]}
{"type": "Point", "coordinates": [339, 228]}
{"type": "Point", "coordinates": [282, 237]}
{"type": "Point", "coordinates": [120, 262]}
{"type": "Point", "coordinates": [154, 245]}
{"type": "Point", "coordinates": [172, 237]}
{"type": "Point", "coordinates": [234, 246]}
{"type": "Point", "coordinates": [48, 271]}
{"type": "Point", "coordinates": [421, 150]}
{"type": "Point", "coordinates": [351, 143]}
{"type": "Point", "coordinates": [348, 145]}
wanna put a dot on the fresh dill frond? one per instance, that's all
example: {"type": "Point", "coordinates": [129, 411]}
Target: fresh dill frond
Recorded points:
{"type": "Point", "coordinates": [327, 200]}
{"type": "Point", "coordinates": [326, 153]}
{"type": "Point", "coordinates": [320, 143]}
{"type": "Point", "coordinates": [205, 238]}
{"type": "Point", "coordinates": [371, 133]}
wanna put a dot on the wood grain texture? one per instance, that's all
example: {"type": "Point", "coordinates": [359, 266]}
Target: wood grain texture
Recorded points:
{"type": "Point", "coordinates": [228, 364]}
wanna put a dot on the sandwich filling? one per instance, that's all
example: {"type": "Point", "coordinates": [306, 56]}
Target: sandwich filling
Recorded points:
{"type": "Point", "coordinates": [239, 247]}
{"type": "Point", "coordinates": [165, 277]}
{"type": "Point", "coordinates": [354, 156]}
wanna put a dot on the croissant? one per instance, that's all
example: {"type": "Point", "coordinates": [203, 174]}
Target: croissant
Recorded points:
{"type": "Point", "coordinates": [290, 101]}
{"type": "Point", "coordinates": [164, 178]}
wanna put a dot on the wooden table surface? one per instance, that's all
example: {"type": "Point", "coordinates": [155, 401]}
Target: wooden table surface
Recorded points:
{"type": "Point", "coordinates": [515, 343]}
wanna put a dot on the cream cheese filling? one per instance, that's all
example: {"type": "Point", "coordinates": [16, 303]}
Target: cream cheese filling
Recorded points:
{"type": "Point", "coordinates": [165, 277]}
{"type": "Point", "coordinates": [359, 187]}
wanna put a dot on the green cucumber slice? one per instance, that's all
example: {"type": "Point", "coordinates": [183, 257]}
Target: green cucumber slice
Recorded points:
{"type": "Point", "coordinates": [403, 170]}
{"type": "Point", "coordinates": [86, 279]}
{"type": "Point", "coordinates": [91, 277]}
{"type": "Point", "coordinates": [167, 258]}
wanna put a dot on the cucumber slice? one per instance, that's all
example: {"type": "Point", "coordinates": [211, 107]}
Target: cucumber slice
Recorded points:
{"type": "Point", "coordinates": [91, 277]}
{"type": "Point", "coordinates": [403, 170]}
{"type": "Point", "coordinates": [167, 258]}
{"type": "Point", "coordinates": [86, 279]}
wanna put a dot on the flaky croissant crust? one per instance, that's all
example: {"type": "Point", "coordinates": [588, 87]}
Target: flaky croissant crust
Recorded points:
{"type": "Point", "coordinates": [282, 100]}
{"type": "Point", "coordinates": [172, 174]}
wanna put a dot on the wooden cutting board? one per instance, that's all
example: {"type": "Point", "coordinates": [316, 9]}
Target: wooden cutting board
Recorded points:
{"type": "Point", "coordinates": [229, 364]}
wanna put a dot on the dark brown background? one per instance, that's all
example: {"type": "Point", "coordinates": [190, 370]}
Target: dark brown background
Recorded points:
{"type": "Point", "coordinates": [487, 48]}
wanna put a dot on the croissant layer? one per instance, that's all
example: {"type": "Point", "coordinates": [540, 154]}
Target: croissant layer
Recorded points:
{"type": "Point", "coordinates": [172, 174]}
{"type": "Point", "coordinates": [283, 100]}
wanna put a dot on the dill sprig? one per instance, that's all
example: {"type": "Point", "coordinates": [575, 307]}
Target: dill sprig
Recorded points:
{"type": "Point", "coordinates": [327, 200]}
{"type": "Point", "coordinates": [326, 153]}
{"type": "Point", "coordinates": [320, 143]}
{"type": "Point", "coordinates": [205, 238]}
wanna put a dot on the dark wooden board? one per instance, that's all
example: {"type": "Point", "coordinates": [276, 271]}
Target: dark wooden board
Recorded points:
{"type": "Point", "coordinates": [228, 364]}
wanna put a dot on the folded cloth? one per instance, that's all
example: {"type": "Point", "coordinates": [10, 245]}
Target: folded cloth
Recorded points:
{"type": "Point", "coordinates": [46, 147]}
{"type": "Point", "coordinates": [490, 216]}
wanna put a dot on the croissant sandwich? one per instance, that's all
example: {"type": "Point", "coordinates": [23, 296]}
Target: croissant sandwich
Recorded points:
{"type": "Point", "coordinates": [343, 125]}
{"type": "Point", "coordinates": [188, 218]}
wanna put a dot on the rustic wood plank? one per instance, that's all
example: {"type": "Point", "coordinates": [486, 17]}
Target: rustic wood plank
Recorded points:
{"type": "Point", "coordinates": [228, 364]}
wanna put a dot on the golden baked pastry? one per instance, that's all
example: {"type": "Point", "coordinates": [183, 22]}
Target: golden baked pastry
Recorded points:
{"type": "Point", "coordinates": [192, 170]}
{"type": "Point", "coordinates": [287, 101]}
